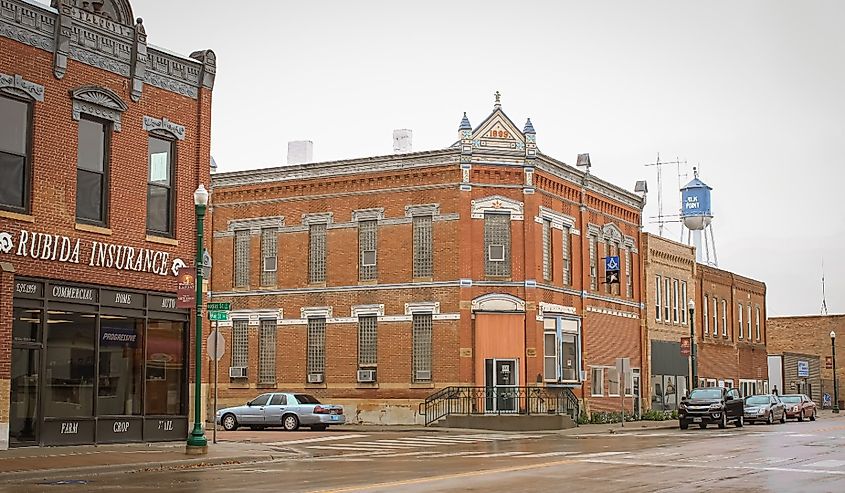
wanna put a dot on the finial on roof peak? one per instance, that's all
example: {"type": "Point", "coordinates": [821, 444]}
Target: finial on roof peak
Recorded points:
{"type": "Point", "coordinates": [529, 128]}
{"type": "Point", "coordinates": [498, 103]}
{"type": "Point", "coordinates": [465, 123]}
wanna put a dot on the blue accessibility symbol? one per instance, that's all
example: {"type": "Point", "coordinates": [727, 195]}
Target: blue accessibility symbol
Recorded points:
{"type": "Point", "coordinates": [611, 263]}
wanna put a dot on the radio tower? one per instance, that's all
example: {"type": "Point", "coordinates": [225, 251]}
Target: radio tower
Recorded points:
{"type": "Point", "coordinates": [824, 298]}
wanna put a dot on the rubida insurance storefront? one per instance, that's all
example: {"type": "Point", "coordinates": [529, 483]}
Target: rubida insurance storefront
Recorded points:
{"type": "Point", "coordinates": [96, 364]}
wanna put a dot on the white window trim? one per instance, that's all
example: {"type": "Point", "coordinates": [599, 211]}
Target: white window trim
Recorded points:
{"type": "Point", "coordinates": [367, 311]}
{"type": "Point", "coordinates": [724, 318]}
{"type": "Point", "coordinates": [593, 381]}
{"type": "Point", "coordinates": [619, 383]}
{"type": "Point", "coordinates": [422, 308]}
{"type": "Point", "coordinates": [741, 326]}
{"type": "Point", "coordinates": [658, 298]}
{"type": "Point", "coordinates": [490, 252]}
{"type": "Point", "coordinates": [706, 314]}
{"type": "Point", "coordinates": [316, 312]}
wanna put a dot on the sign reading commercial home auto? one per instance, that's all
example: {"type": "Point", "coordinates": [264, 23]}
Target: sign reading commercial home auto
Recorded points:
{"type": "Point", "coordinates": [58, 248]}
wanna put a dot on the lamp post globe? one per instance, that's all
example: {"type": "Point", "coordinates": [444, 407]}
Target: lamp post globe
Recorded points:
{"type": "Point", "coordinates": [197, 443]}
{"type": "Point", "coordinates": [835, 380]}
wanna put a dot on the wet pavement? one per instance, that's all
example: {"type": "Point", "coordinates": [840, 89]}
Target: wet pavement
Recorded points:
{"type": "Point", "coordinates": [800, 457]}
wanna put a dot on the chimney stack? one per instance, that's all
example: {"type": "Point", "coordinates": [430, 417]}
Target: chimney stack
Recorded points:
{"type": "Point", "coordinates": [402, 140]}
{"type": "Point", "coordinates": [300, 151]}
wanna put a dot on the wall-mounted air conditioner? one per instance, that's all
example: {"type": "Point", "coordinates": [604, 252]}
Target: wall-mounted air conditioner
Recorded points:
{"type": "Point", "coordinates": [237, 372]}
{"type": "Point", "coordinates": [366, 375]}
{"type": "Point", "coordinates": [315, 378]}
{"type": "Point", "coordinates": [421, 375]}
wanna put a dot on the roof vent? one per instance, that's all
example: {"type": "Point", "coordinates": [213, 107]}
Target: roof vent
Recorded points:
{"type": "Point", "coordinates": [402, 138]}
{"type": "Point", "coordinates": [300, 151]}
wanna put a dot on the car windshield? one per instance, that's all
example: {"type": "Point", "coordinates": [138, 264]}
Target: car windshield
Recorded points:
{"type": "Point", "coordinates": [306, 399]}
{"type": "Point", "coordinates": [757, 400]}
{"type": "Point", "coordinates": [706, 394]}
{"type": "Point", "coordinates": [791, 399]}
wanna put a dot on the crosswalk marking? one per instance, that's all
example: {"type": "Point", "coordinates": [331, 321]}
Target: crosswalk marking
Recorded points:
{"type": "Point", "coordinates": [397, 447]}
{"type": "Point", "coordinates": [318, 439]}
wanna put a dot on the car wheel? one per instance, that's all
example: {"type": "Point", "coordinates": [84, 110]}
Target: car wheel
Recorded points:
{"type": "Point", "coordinates": [740, 422]}
{"type": "Point", "coordinates": [770, 419]}
{"type": "Point", "coordinates": [230, 423]}
{"type": "Point", "coordinates": [319, 427]}
{"type": "Point", "coordinates": [290, 422]}
{"type": "Point", "coordinates": [813, 416]}
{"type": "Point", "coordinates": [683, 424]}
{"type": "Point", "coordinates": [723, 423]}
{"type": "Point", "coordinates": [702, 425]}
{"type": "Point", "coordinates": [801, 415]}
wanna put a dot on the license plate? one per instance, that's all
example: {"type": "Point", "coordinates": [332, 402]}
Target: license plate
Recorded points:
{"type": "Point", "coordinates": [696, 420]}
{"type": "Point", "coordinates": [335, 418]}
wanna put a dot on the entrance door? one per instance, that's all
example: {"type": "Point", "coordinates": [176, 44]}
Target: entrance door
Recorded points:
{"type": "Point", "coordinates": [501, 384]}
{"type": "Point", "coordinates": [23, 409]}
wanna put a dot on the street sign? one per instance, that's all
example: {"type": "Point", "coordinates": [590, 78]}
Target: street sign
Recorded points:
{"type": "Point", "coordinates": [186, 289]}
{"type": "Point", "coordinates": [685, 346]}
{"type": "Point", "coordinates": [218, 316]}
{"type": "Point", "coordinates": [803, 369]}
{"type": "Point", "coordinates": [219, 307]}
{"type": "Point", "coordinates": [611, 270]}
{"type": "Point", "coordinates": [215, 351]}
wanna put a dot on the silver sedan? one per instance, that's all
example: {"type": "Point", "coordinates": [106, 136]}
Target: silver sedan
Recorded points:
{"type": "Point", "coordinates": [287, 409]}
{"type": "Point", "coordinates": [765, 407]}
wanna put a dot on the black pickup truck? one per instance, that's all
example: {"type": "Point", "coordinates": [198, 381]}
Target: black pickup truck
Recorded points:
{"type": "Point", "coordinates": [711, 405]}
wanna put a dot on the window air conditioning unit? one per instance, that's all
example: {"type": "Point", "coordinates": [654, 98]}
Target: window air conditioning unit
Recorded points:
{"type": "Point", "coordinates": [315, 378]}
{"type": "Point", "coordinates": [366, 375]}
{"type": "Point", "coordinates": [496, 253]}
{"type": "Point", "coordinates": [422, 375]}
{"type": "Point", "coordinates": [237, 372]}
{"type": "Point", "coordinates": [269, 264]}
{"type": "Point", "coordinates": [368, 258]}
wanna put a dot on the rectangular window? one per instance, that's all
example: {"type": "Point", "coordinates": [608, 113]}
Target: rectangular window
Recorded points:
{"type": "Point", "coordinates": [657, 298]}
{"type": "Point", "coordinates": [269, 262]}
{"type": "Point", "coordinates": [160, 157]}
{"type": "Point", "coordinates": [613, 382]}
{"type": "Point", "coordinates": [367, 342]}
{"type": "Point", "coordinates": [367, 239]}
{"type": "Point", "coordinates": [241, 258]}
{"type": "Point", "coordinates": [267, 353]}
{"type": "Point", "coordinates": [423, 250]}
{"type": "Point", "coordinates": [724, 318]}
{"type": "Point", "coordinates": [119, 389]}
{"type": "Point", "coordinates": [166, 368]}
{"type": "Point", "coordinates": [675, 300]}
{"type": "Point", "coordinates": [629, 279]}
{"type": "Point", "coordinates": [597, 382]}
{"type": "Point", "coordinates": [667, 300]}
{"type": "Point", "coordinates": [567, 256]}
{"type": "Point", "coordinates": [547, 250]}
{"type": "Point", "coordinates": [705, 315]}
{"type": "Point", "coordinates": [684, 302]}
{"type": "Point", "coordinates": [92, 170]}
{"type": "Point", "coordinates": [594, 263]}
{"type": "Point", "coordinates": [14, 154]}
{"type": "Point", "coordinates": [748, 322]}
{"type": "Point", "coordinates": [316, 253]}
{"type": "Point", "coordinates": [739, 314]}
{"type": "Point", "coordinates": [757, 321]}
{"type": "Point", "coordinates": [422, 347]}
{"type": "Point", "coordinates": [240, 343]}
{"type": "Point", "coordinates": [715, 317]}
{"type": "Point", "coordinates": [550, 350]}
{"type": "Point", "coordinates": [497, 245]}
{"type": "Point", "coordinates": [316, 346]}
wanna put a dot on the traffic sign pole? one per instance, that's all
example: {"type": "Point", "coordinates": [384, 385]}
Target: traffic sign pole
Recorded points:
{"type": "Point", "coordinates": [216, 364]}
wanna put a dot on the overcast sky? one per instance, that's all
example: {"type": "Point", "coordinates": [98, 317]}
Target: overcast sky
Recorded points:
{"type": "Point", "coordinates": [751, 91]}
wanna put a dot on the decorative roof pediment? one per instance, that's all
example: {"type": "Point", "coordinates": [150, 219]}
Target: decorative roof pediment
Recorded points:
{"type": "Point", "coordinates": [98, 101]}
{"type": "Point", "coordinates": [497, 203]}
{"type": "Point", "coordinates": [498, 132]}
{"type": "Point", "coordinates": [612, 232]}
{"type": "Point", "coordinates": [498, 302]}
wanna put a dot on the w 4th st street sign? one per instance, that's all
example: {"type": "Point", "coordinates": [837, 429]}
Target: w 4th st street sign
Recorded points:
{"type": "Point", "coordinates": [219, 307]}
{"type": "Point", "coordinates": [218, 316]}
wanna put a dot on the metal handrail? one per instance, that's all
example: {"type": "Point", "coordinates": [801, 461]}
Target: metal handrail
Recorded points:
{"type": "Point", "coordinates": [458, 400]}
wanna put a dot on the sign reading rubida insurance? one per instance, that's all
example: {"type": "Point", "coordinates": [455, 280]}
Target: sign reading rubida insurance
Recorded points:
{"type": "Point", "coordinates": [59, 248]}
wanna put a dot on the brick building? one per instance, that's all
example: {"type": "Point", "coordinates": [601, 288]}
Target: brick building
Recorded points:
{"type": "Point", "coordinates": [103, 139]}
{"type": "Point", "coordinates": [810, 335]}
{"type": "Point", "coordinates": [669, 278]}
{"type": "Point", "coordinates": [731, 330]}
{"type": "Point", "coordinates": [375, 282]}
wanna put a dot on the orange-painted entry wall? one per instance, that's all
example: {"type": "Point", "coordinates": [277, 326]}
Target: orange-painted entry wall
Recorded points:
{"type": "Point", "coordinates": [499, 335]}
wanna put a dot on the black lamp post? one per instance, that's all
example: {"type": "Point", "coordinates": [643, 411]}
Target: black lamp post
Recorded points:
{"type": "Point", "coordinates": [694, 383]}
{"type": "Point", "coordinates": [197, 443]}
{"type": "Point", "coordinates": [835, 383]}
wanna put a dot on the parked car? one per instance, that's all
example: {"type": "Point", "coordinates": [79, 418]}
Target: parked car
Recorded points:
{"type": "Point", "coordinates": [289, 410]}
{"type": "Point", "coordinates": [799, 406]}
{"type": "Point", "coordinates": [711, 405]}
{"type": "Point", "coordinates": [764, 407]}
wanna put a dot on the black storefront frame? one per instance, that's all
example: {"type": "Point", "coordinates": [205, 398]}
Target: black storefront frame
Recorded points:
{"type": "Point", "coordinates": [35, 293]}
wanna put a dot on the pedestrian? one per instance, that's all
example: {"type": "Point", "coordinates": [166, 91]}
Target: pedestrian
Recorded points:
{"type": "Point", "coordinates": [775, 390]}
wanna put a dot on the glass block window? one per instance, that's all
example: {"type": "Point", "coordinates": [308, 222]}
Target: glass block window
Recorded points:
{"type": "Point", "coordinates": [657, 297]}
{"type": "Point", "coordinates": [547, 250]}
{"type": "Point", "coordinates": [269, 261]}
{"type": "Point", "coordinates": [241, 258]}
{"type": "Point", "coordinates": [240, 343]}
{"type": "Point", "coordinates": [422, 347]}
{"type": "Point", "coordinates": [423, 249]}
{"type": "Point", "coordinates": [317, 253]}
{"type": "Point", "coordinates": [367, 341]}
{"type": "Point", "coordinates": [497, 244]}
{"type": "Point", "coordinates": [267, 352]}
{"type": "Point", "coordinates": [629, 279]}
{"type": "Point", "coordinates": [367, 238]}
{"type": "Point", "coordinates": [567, 256]}
{"type": "Point", "coordinates": [594, 263]}
{"type": "Point", "coordinates": [316, 345]}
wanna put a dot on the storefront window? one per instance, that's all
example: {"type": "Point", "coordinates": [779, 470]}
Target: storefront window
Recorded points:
{"type": "Point", "coordinates": [121, 354]}
{"type": "Point", "coordinates": [165, 367]}
{"type": "Point", "coordinates": [27, 325]}
{"type": "Point", "coordinates": [69, 373]}
{"type": "Point", "coordinates": [24, 395]}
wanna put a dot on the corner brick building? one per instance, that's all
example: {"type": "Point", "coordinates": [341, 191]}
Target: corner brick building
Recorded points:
{"type": "Point", "coordinates": [731, 331]}
{"type": "Point", "coordinates": [103, 140]}
{"type": "Point", "coordinates": [810, 336]}
{"type": "Point", "coordinates": [375, 282]}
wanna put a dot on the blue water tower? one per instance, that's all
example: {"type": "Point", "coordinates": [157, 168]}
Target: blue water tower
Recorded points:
{"type": "Point", "coordinates": [697, 216]}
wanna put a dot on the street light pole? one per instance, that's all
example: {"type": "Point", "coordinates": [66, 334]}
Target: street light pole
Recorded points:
{"type": "Point", "coordinates": [694, 383]}
{"type": "Point", "coordinates": [197, 443]}
{"type": "Point", "coordinates": [833, 360]}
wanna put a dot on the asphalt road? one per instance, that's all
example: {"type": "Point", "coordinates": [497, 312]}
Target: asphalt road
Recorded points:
{"type": "Point", "coordinates": [795, 457]}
